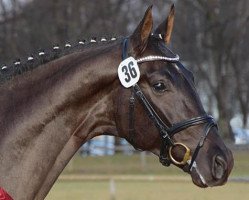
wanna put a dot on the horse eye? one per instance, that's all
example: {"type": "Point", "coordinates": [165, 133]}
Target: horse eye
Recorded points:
{"type": "Point", "coordinates": [159, 87]}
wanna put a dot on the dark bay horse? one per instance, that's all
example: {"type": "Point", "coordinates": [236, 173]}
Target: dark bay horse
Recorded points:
{"type": "Point", "coordinates": [47, 112]}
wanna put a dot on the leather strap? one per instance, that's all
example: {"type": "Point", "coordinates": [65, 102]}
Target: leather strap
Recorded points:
{"type": "Point", "coordinates": [200, 144]}
{"type": "Point", "coordinates": [132, 133]}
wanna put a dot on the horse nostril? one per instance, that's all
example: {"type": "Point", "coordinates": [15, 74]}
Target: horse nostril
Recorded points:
{"type": "Point", "coordinates": [219, 167]}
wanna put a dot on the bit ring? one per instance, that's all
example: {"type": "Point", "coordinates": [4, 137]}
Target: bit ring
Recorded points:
{"type": "Point", "coordinates": [186, 157]}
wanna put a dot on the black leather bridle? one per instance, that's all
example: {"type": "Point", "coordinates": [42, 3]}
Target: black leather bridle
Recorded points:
{"type": "Point", "coordinates": [166, 132]}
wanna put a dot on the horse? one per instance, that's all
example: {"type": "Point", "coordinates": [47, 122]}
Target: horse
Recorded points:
{"type": "Point", "coordinates": [130, 87]}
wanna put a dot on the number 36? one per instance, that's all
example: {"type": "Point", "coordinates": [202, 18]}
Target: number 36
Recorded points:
{"type": "Point", "coordinates": [129, 71]}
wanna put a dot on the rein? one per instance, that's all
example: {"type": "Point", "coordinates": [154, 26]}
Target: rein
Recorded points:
{"type": "Point", "coordinates": [166, 133]}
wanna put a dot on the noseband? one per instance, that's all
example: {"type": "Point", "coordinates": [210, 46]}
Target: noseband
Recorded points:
{"type": "Point", "coordinates": [166, 132]}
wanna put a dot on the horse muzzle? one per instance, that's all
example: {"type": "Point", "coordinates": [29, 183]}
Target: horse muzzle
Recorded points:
{"type": "Point", "coordinates": [220, 168]}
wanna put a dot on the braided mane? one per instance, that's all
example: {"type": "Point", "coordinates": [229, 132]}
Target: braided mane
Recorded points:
{"type": "Point", "coordinates": [33, 61]}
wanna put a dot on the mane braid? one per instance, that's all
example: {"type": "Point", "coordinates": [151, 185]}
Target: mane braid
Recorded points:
{"type": "Point", "coordinates": [42, 57]}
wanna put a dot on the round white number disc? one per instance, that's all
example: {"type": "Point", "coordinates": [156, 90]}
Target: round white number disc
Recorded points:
{"type": "Point", "coordinates": [128, 72]}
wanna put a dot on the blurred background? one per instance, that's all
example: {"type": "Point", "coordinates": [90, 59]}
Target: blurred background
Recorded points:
{"type": "Point", "coordinates": [211, 37]}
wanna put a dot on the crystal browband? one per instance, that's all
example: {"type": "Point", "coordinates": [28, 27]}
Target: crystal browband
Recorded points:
{"type": "Point", "coordinates": [154, 58]}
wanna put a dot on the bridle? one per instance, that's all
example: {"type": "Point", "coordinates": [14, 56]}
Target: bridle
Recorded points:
{"type": "Point", "coordinates": [166, 132]}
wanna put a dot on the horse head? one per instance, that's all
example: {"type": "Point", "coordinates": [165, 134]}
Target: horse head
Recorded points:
{"type": "Point", "coordinates": [163, 111]}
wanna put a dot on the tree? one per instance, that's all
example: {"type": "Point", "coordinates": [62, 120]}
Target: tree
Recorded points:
{"type": "Point", "coordinates": [212, 29]}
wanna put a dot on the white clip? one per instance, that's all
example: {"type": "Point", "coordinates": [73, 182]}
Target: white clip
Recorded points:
{"type": "Point", "coordinates": [42, 53]}
{"type": "Point", "coordinates": [92, 40]}
{"type": "Point", "coordinates": [81, 42]}
{"type": "Point", "coordinates": [67, 45]}
{"type": "Point", "coordinates": [113, 39]}
{"type": "Point", "coordinates": [103, 40]}
{"type": "Point", "coordinates": [17, 63]}
{"type": "Point", "coordinates": [4, 67]}
{"type": "Point", "coordinates": [160, 36]}
{"type": "Point", "coordinates": [30, 58]}
{"type": "Point", "coordinates": [56, 48]}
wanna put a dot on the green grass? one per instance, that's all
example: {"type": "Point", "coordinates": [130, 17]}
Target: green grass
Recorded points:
{"type": "Point", "coordinates": [241, 163]}
{"type": "Point", "coordinates": [124, 164]}
{"type": "Point", "coordinates": [133, 181]}
{"type": "Point", "coordinates": [117, 164]}
{"type": "Point", "coordinates": [145, 190]}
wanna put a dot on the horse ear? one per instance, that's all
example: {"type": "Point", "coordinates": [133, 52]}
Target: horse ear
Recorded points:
{"type": "Point", "coordinates": [139, 38]}
{"type": "Point", "coordinates": [165, 28]}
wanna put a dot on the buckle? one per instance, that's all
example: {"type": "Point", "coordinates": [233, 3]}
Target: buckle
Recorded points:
{"type": "Point", "coordinates": [164, 161]}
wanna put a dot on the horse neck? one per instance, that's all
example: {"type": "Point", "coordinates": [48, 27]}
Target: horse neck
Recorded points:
{"type": "Point", "coordinates": [71, 102]}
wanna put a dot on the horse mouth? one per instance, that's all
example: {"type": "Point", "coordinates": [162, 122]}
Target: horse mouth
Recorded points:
{"type": "Point", "coordinates": [199, 183]}
{"type": "Point", "coordinates": [218, 176]}
{"type": "Point", "coordinates": [197, 178]}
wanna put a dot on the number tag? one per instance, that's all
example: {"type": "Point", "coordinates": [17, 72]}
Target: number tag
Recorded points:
{"type": "Point", "coordinates": [128, 72]}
